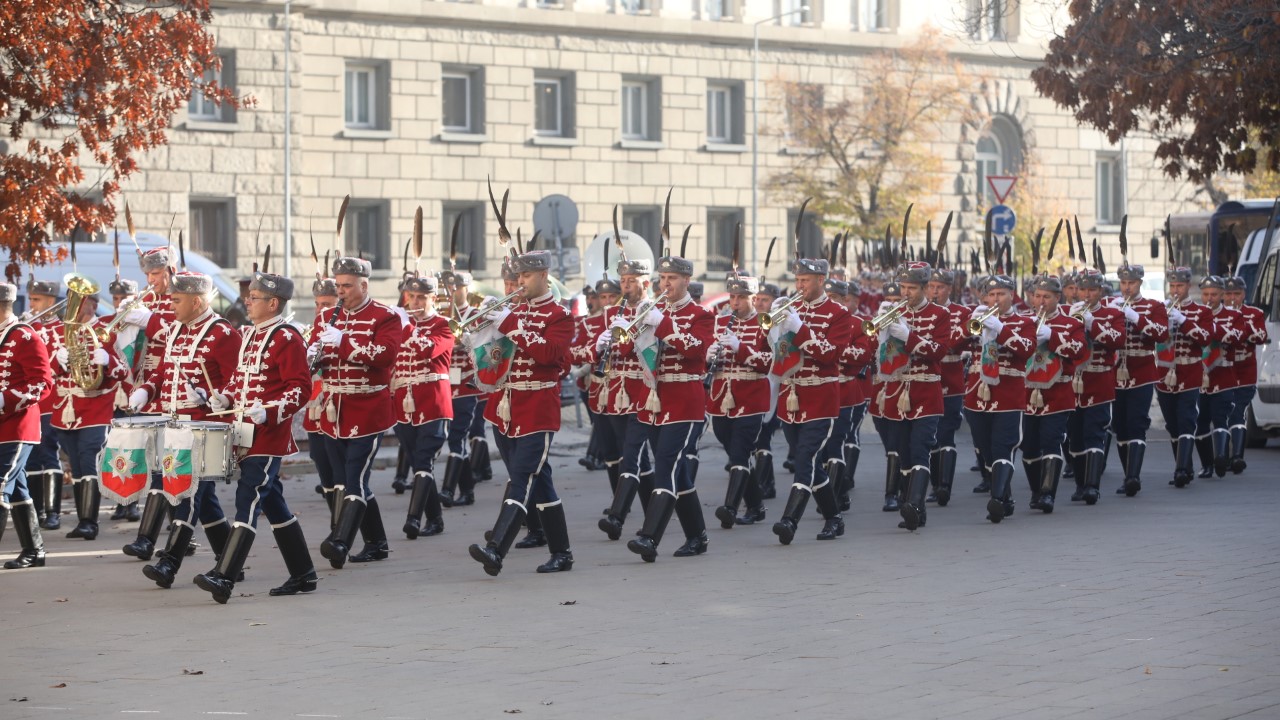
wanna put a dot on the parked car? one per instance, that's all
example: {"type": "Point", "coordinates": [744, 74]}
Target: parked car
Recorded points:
{"type": "Point", "coordinates": [1257, 263]}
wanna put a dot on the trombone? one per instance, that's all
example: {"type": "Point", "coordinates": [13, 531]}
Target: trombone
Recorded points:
{"type": "Point", "coordinates": [885, 319]}
{"type": "Point", "coordinates": [106, 330]}
{"type": "Point", "coordinates": [51, 310]}
{"type": "Point", "coordinates": [628, 333]}
{"type": "Point", "coordinates": [473, 323]}
{"type": "Point", "coordinates": [975, 324]}
{"type": "Point", "coordinates": [776, 315]}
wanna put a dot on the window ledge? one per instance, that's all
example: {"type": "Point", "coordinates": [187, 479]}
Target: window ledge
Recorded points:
{"type": "Point", "coordinates": [626, 144]}
{"type": "Point", "coordinates": [366, 134]}
{"type": "Point", "coordinates": [463, 137]}
{"type": "Point", "coordinates": [554, 141]}
{"type": "Point", "coordinates": [1105, 229]}
{"type": "Point", "coordinates": [211, 126]}
{"type": "Point", "coordinates": [800, 151]}
{"type": "Point", "coordinates": [725, 148]}
{"type": "Point", "coordinates": [550, 6]}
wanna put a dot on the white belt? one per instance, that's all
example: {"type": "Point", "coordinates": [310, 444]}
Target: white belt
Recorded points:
{"type": "Point", "coordinates": [526, 385]}
{"type": "Point", "coordinates": [926, 377]}
{"type": "Point", "coordinates": [679, 377]}
{"type": "Point", "coordinates": [1013, 372]}
{"type": "Point", "coordinates": [627, 374]}
{"type": "Point", "coordinates": [809, 381]}
{"type": "Point", "coordinates": [952, 358]}
{"type": "Point", "coordinates": [1138, 353]}
{"type": "Point", "coordinates": [400, 382]}
{"type": "Point", "coordinates": [81, 393]}
{"type": "Point", "coordinates": [739, 375]}
{"type": "Point", "coordinates": [1187, 361]}
{"type": "Point", "coordinates": [352, 389]}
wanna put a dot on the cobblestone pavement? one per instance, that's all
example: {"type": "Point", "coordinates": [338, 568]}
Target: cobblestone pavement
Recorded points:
{"type": "Point", "coordinates": [1162, 606]}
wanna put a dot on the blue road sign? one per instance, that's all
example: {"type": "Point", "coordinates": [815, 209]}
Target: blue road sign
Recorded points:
{"type": "Point", "coordinates": [1003, 220]}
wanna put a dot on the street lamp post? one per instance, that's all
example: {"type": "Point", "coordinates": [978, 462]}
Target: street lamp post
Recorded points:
{"type": "Point", "coordinates": [755, 126]}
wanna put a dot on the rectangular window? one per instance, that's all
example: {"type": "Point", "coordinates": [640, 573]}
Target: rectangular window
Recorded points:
{"type": "Point", "coordinates": [645, 222]}
{"type": "Point", "coordinates": [988, 19]}
{"type": "Point", "coordinates": [641, 109]}
{"type": "Point", "coordinates": [471, 248]}
{"type": "Point", "coordinates": [719, 10]}
{"type": "Point", "coordinates": [803, 100]}
{"type": "Point", "coordinates": [362, 96]}
{"type": "Point", "coordinates": [553, 104]}
{"type": "Point", "coordinates": [810, 234]}
{"type": "Point", "coordinates": [725, 112]}
{"type": "Point", "coordinates": [213, 230]}
{"type": "Point", "coordinates": [1109, 173]}
{"type": "Point", "coordinates": [200, 107]}
{"type": "Point", "coordinates": [799, 12]}
{"type": "Point", "coordinates": [872, 15]}
{"type": "Point", "coordinates": [721, 225]}
{"type": "Point", "coordinates": [634, 7]}
{"type": "Point", "coordinates": [462, 100]}
{"type": "Point", "coordinates": [368, 233]}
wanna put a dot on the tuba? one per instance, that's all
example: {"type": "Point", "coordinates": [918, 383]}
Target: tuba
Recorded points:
{"type": "Point", "coordinates": [81, 346]}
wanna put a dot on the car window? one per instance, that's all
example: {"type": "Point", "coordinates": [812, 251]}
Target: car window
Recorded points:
{"type": "Point", "coordinates": [1263, 293]}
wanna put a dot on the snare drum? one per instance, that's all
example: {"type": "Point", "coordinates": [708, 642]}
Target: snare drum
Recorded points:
{"type": "Point", "coordinates": [211, 450]}
{"type": "Point", "coordinates": [129, 456]}
{"type": "Point", "coordinates": [125, 433]}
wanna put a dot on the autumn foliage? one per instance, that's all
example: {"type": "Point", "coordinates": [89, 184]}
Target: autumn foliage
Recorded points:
{"type": "Point", "coordinates": [85, 88]}
{"type": "Point", "coordinates": [1201, 76]}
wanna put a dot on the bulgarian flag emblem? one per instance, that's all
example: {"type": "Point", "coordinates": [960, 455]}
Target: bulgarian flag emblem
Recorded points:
{"type": "Point", "coordinates": [123, 473]}
{"type": "Point", "coordinates": [493, 362]}
{"type": "Point", "coordinates": [176, 464]}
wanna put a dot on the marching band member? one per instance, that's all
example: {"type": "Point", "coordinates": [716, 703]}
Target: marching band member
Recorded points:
{"type": "Point", "coordinates": [424, 407]}
{"type": "Point", "coordinates": [525, 410]}
{"type": "Point", "coordinates": [1218, 391]}
{"type": "Point", "coordinates": [843, 451]}
{"type": "Point", "coordinates": [354, 347]}
{"type": "Point", "coordinates": [268, 386]}
{"type": "Point", "coordinates": [607, 447]}
{"type": "Point", "coordinates": [943, 456]}
{"type": "Point", "coordinates": [1094, 383]}
{"type": "Point", "coordinates": [1060, 347]}
{"type": "Point", "coordinates": [812, 333]}
{"type": "Point", "coordinates": [1147, 325]}
{"type": "Point", "coordinates": [584, 337]}
{"type": "Point", "coordinates": [762, 468]}
{"type": "Point", "coordinates": [25, 380]}
{"type": "Point", "coordinates": [891, 295]}
{"type": "Point", "coordinates": [1246, 365]}
{"type": "Point", "coordinates": [1070, 288]}
{"type": "Point", "coordinates": [197, 359]}
{"type": "Point", "coordinates": [131, 344]}
{"type": "Point", "coordinates": [1178, 391]}
{"type": "Point", "coordinates": [996, 394]}
{"type": "Point", "coordinates": [465, 403]}
{"type": "Point", "coordinates": [44, 469]}
{"type": "Point", "coordinates": [324, 292]}
{"type": "Point", "coordinates": [738, 400]}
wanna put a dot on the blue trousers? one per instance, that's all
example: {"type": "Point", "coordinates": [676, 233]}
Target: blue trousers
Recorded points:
{"type": "Point", "coordinates": [464, 411]}
{"type": "Point", "coordinates": [1181, 412]}
{"type": "Point", "coordinates": [1243, 397]}
{"type": "Point", "coordinates": [318, 449]}
{"type": "Point", "coordinates": [13, 463]}
{"type": "Point", "coordinates": [476, 429]}
{"type": "Point", "coordinates": [633, 435]}
{"type": "Point", "coordinates": [44, 456]}
{"type": "Point", "coordinates": [691, 449]}
{"type": "Point", "coordinates": [995, 434]}
{"type": "Point", "coordinates": [910, 439]}
{"type": "Point", "coordinates": [767, 429]}
{"type": "Point", "coordinates": [527, 461]}
{"type": "Point", "coordinates": [1215, 412]}
{"type": "Point", "coordinates": [839, 431]}
{"type": "Point", "coordinates": [1132, 414]}
{"type": "Point", "coordinates": [1043, 435]}
{"type": "Point", "coordinates": [856, 416]}
{"type": "Point", "coordinates": [422, 442]}
{"type": "Point", "coordinates": [259, 492]}
{"type": "Point", "coordinates": [949, 423]}
{"type": "Point", "coordinates": [669, 445]}
{"type": "Point", "coordinates": [82, 447]}
{"type": "Point", "coordinates": [809, 441]}
{"type": "Point", "coordinates": [352, 462]}
{"type": "Point", "coordinates": [1087, 428]}
{"type": "Point", "coordinates": [203, 505]}
{"type": "Point", "coordinates": [737, 436]}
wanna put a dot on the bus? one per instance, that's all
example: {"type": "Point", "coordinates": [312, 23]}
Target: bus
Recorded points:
{"type": "Point", "coordinates": [1210, 243]}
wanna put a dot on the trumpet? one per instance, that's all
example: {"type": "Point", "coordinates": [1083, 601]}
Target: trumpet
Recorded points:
{"type": "Point", "coordinates": [118, 320]}
{"type": "Point", "coordinates": [473, 323]}
{"type": "Point", "coordinates": [776, 315]}
{"type": "Point", "coordinates": [885, 319]}
{"type": "Point", "coordinates": [628, 333]}
{"type": "Point", "coordinates": [975, 324]}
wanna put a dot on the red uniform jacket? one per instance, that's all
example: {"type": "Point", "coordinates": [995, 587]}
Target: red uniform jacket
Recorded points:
{"type": "Point", "coordinates": [420, 379]}
{"type": "Point", "coordinates": [953, 361]}
{"type": "Point", "coordinates": [1138, 358]}
{"type": "Point", "coordinates": [624, 391]}
{"type": "Point", "coordinates": [812, 392]}
{"type": "Point", "coordinates": [1014, 345]}
{"type": "Point", "coordinates": [910, 388]}
{"type": "Point", "coordinates": [76, 409]}
{"type": "Point", "coordinates": [50, 333]}
{"type": "Point", "coordinates": [162, 319]}
{"type": "Point", "coordinates": [462, 365]}
{"type": "Point", "coordinates": [1095, 381]}
{"type": "Point", "coordinates": [357, 371]}
{"type": "Point", "coordinates": [24, 379]}
{"type": "Point", "coordinates": [740, 385]}
{"type": "Point", "coordinates": [1179, 359]}
{"type": "Point", "coordinates": [1219, 356]}
{"type": "Point", "coordinates": [685, 334]}
{"type": "Point", "coordinates": [1246, 357]}
{"type": "Point", "coordinates": [1051, 393]}
{"type": "Point", "coordinates": [196, 354]}
{"type": "Point", "coordinates": [583, 353]}
{"type": "Point", "coordinates": [528, 401]}
{"type": "Point", "coordinates": [856, 361]}
{"type": "Point", "coordinates": [271, 370]}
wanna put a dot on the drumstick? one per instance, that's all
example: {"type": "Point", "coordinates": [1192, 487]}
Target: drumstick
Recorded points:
{"type": "Point", "coordinates": [228, 411]}
{"type": "Point", "coordinates": [208, 381]}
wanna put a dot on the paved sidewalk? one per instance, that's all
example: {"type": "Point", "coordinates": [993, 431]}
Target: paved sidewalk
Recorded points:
{"type": "Point", "coordinates": [1162, 606]}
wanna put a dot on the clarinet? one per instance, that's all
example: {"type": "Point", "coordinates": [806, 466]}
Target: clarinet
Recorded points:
{"type": "Point", "coordinates": [717, 360]}
{"type": "Point", "coordinates": [317, 362]}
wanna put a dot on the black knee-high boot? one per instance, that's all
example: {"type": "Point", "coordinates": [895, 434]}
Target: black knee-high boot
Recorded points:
{"type": "Point", "coordinates": [656, 517]}
{"type": "Point", "coordinates": [727, 514]}
{"type": "Point", "coordinates": [26, 525]}
{"type": "Point", "coordinates": [481, 462]}
{"type": "Point", "coordinates": [154, 514]}
{"type": "Point", "coordinates": [689, 511]}
{"type": "Point", "coordinates": [351, 509]}
{"type": "Point", "coordinates": [424, 490]}
{"type": "Point", "coordinates": [375, 536]}
{"type": "Point", "coordinates": [623, 495]}
{"type": "Point", "coordinates": [221, 580]}
{"type": "Point", "coordinates": [170, 558]}
{"type": "Point", "coordinates": [401, 481]}
{"type": "Point", "coordinates": [947, 458]}
{"type": "Point", "coordinates": [892, 477]}
{"type": "Point", "coordinates": [449, 484]}
{"type": "Point", "coordinates": [510, 518]}
{"type": "Point", "coordinates": [785, 528]}
{"type": "Point", "coordinates": [297, 558]}
{"type": "Point", "coordinates": [53, 500]}
{"type": "Point", "coordinates": [557, 531]}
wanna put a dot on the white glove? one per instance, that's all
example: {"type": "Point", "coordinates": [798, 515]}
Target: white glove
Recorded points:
{"type": "Point", "coordinates": [139, 316]}
{"type": "Point", "coordinates": [1176, 317]}
{"type": "Point", "coordinates": [884, 306]}
{"type": "Point", "coordinates": [312, 352]}
{"type": "Point", "coordinates": [219, 402]}
{"type": "Point", "coordinates": [138, 399]}
{"type": "Point", "coordinates": [602, 342]}
{"type": "Point", "coordinates": [979, 310]}
{"type": "Point", "coordinates": [653, 318]}
{"type": "Point", "coordinates": [1043, 332]}
{"type": "Point", "coordinates": [1130, 315]}
{"type": "Point", "coordinates": [899, 330]}
{"type": "Point", "coordinates": [100, 357]}
{"type": "Point", "coordinates": [993, 323]}
{"type": "Point", "coordinates": [198, 396]}
{"type": "Point", "coordinates": [730, 342]}
{"type": "Point", "coordinates": [61, 355]}
{"type": "Point", "coordinates": [619, 322]}
{"type": "Point", "coordinates": [403, 315]}
{"type": "Point", "coordinates": [498, 316]}
{"type": "Point", "coordinates": [256, 414]}
{"type": "Point", "coordinates": [1076, 307]}
{"type": "Point", "coordinates": [330, 336]}
{"type": "Point", "coordinates": [791, 323]}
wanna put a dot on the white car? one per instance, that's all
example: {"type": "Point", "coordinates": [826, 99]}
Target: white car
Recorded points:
{"type": "Point", "coordinates": [1258, 260]}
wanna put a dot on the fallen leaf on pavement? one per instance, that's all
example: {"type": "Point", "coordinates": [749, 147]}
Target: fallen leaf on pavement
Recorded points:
{"type": "Point", "coordinates": [256, 624]}
{"type": "Point", "coordinates": [1147, 671]}
{"type": "Point", "coordinates": [192, 672]}
{"type": "Point", "coordinates": [509, 712]}
{"type": "Point", "coordinates": [569, 602]}
{"type": "Point", "coordinates": [60, 599]}
{"type": "Point", "coordinates": [59, 685]}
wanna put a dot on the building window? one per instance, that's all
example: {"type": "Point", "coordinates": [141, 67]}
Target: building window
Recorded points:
{"type": "Point", "coordinates": [634, 7]}
{"type": "Point", "coordinates": [810, 234]}
{"type": "Point", "coordinates": [641, 109]}
{"type": "Point", "coordinates": [471, 248]}
{"type": "Point", "coordinates": [366, 104]}
{"type": "Point", "coordinates": [721, 224]}
{"type": "Point", "coordinates": [801, 12]}
{"type": "Point", "coordinates": [998, 152]}
{"type": "Point", "coordinates": [1109, 172]}
{"type": "Point", "coordinates": [725, 113]}
{"type": "Point", "coordinates": [987, 159]}
{"type": "Point", "coordinates": [213, 230]}
{"type": "Point", "coordinates": [716, 10]}
{"type": "Point", "coordinates": [462, 100]}
{"type": "Point", "coordinates": [871, 15]}
{"type": "Point", "coordinates": [553, 104]}
{"type": "Point", "coordinates": [802, 101]}
{"type": "Point", "coordinates": [645, 222]}
{"type": "Point", "coordinates": [200, 107]}
{"type": "Point", "coordinates": [368, 233]}
{"type": "Point", "coordinates": [988, 19]}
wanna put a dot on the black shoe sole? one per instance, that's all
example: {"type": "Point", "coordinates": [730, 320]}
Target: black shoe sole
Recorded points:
{"type": "Point", "coordinates": [726, 516]}
{"type": "Point", "coordinates": [302, 588]}
{"type": "Point", "coordinates": [613, 531]}
{"type": "Point", "coordinates": [785, 531]}
{"type": "Point", "coordinates": [910, 517]}
{"type": "Point", "coordinates": [995, 511]}
{"type": "Point", "coordinates": [478, 554]}
{"type": "Point", "coordinates": [157, 578]}
{"type": "Point", "coordinates": [644, 552]}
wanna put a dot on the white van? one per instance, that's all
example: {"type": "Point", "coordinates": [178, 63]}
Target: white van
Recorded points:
{"type": "Point", "coordinates": [1258, 260]}
{"type": "Point", "coordinates": [94, 260]}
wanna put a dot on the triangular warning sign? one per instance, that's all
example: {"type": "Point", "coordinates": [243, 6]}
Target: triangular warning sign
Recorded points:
{"type": "Point", "coordinates": [1001, 185]}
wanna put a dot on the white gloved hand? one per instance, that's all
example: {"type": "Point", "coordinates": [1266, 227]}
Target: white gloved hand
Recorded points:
{"type": "Point", "coordinates": [791, 323]}
{"type": "Point", "coordinates": [138, 399]}
{"type": "Point", "coordinates": [198, 396]}
{"type": "Point", "coordinates": [979, 310]}
{"type": "Point", "coordinates": [899, 330]}
{"type": "Point", "coordinates": [403, 315]}
{"type": "Point", "coordinates": [619, 322]}
{"type": "Point", "coordinates": [884, 307]}
{"type": "Point", "coordinates": [730, 342]}
{"type": "Point", "coordinates": [1130, 315]}
{"type": "Point", "coordinates": [139, 317]}
{"type": "Point", "coordinates": [654, 317]}
{"type": "Point", "coordinates": [330, 336]}
{"type": "Point", "coordinates": [1176, 317]}
{"type": "Point", "coordinates": [1043, 332]}
{"type": "Point", "coordinates": [61, 355]}
{"type": "Point", "coordinates": [1, 402]}
{"type": "Point", "coordinates": [256, 414]}
{"type": "Point", "coordinates": [100, 357]}
{"type": "Point", "coordinates": [219, 402]}
{"type": "Point", "coordinates": [312, 352]}
{"type": "Point", "coordinates": [498, 316]}
{"type": "Point", "coordinates": [993, 323]}
{"type": "Point", "coordinates": [602, 342]}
